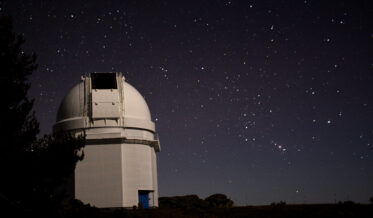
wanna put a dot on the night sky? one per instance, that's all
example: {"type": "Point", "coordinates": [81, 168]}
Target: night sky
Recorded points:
{"type": "Point", "coordinates": [260, 100]}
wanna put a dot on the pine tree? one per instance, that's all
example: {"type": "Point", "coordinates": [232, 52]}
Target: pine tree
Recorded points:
{"type": "Point", "coordinates": [18, 126]}
{"type": "Point", "coordinates": [32, 170]}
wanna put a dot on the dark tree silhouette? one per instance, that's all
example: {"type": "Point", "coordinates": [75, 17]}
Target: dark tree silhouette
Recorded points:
{"type": "Point", "coordinates": [53, 162]}
{"type": "Point", "coordinates": [32, 171]}
{"type": "Point", "coordinates": [187, 201]}
{"type": "Point", "coordinates": [18, 126]}
{"type": "Point", "coordinates": [18, 122]}
{"type": "Point", "coordinates": [219, 200]}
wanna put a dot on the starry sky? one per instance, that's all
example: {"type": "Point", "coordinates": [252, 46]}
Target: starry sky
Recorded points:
{"type": "Point", "coordinates": [264, 101]}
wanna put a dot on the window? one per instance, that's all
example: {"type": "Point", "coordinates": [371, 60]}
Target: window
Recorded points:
{"type": "Point", "coordinates": [104, 80]}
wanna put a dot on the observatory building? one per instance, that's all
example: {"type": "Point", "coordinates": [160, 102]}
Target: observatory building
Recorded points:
{"type": "Point", "coordinates": [119, 167]}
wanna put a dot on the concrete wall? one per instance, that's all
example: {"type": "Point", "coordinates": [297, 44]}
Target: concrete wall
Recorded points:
{"type": "Point", "coordinates": [98, 178]}
{"type": "Point", "coordinates": [137, 172]}
{"type": "Point", "coordinates": [111, 175]}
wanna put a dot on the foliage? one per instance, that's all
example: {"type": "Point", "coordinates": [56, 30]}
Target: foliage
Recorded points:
{"type": "Point", "coordinates": [18, 126]}
{"type": "Point", "coordinates": [193, 201]}
{"type": "Point", "coordinates": [32, 170]}
{"type": "Point", "coordinates": [348, 202]}
{"type": "Point", "coordinates": [304, 211]}
{"type": "Point", "coordinates": [219, 200]}
{"type": "Point", "coordinates": [187, 201]}
{"type": "Point", "coordinates": [53, 162]}
{"type": "Point", "coordinates": [73, 208]}
{"type": "Point", "coordinates": [281, 203]}
{"type": "Point", "coordinates": [17, 123]}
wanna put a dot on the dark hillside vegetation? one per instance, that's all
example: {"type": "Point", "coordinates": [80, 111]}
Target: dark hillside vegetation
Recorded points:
{"type": "Point", "coordinates": [270, 211]}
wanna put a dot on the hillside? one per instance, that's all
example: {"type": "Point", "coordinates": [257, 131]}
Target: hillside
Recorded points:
{"type": "Point", "coordinates": [311, 211]}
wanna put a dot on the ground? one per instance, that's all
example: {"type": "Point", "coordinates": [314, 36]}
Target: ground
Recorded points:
{"type": "Point", "coordinates": [314, 211]}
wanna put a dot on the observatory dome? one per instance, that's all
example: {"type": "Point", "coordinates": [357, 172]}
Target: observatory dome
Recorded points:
{"type": "Point", "coordinates": [119, 167]}
{"type": "Point", "coordinates": [103, 100]}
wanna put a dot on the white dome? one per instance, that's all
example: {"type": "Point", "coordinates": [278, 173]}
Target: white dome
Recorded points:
{"type": "Point", "coordinates": [79, 108]}
{"type": "Point", "coordinates": [134, 104]}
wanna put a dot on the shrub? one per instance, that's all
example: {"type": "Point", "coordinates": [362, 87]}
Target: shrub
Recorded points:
{"type": "Point", "coordinates": [219, 200]}
{"type": "Point", "coordinates": [187, 201]}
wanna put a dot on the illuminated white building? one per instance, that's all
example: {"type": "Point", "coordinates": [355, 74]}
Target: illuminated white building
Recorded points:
{"type": "Point", "coordinates": [119, 167]}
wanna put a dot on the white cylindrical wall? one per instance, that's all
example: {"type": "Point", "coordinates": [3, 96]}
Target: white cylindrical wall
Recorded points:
{"type": "Point", "coordinates": [138, 171]}
{"type": "Point", "coordinates": [98, 178]}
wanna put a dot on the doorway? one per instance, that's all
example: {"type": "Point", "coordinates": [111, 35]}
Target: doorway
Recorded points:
{"type": "Point", "coordinates": [144, 199]}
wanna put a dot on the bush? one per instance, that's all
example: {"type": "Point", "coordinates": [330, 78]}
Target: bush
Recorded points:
{"type": "Point", "coordinates": [219, 200]}
{"type": "Point", "coordinates": [193, 201]}
{"type": "Point", "coordinates": [281, 203]}
{"type": "Point", "coordinates": [187, 201]}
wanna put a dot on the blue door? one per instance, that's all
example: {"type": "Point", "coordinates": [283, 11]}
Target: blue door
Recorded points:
{"type": "Point", "coordinates": [144, 199]}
